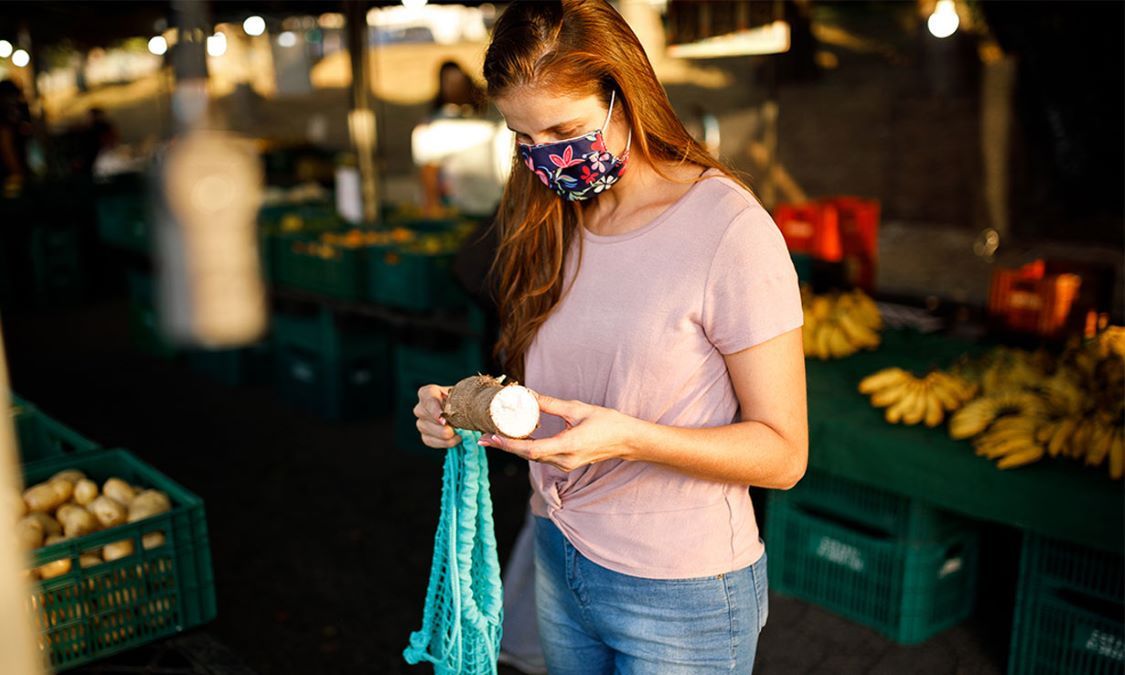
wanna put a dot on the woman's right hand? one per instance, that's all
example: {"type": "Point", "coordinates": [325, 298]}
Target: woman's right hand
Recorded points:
{"type": "Point", "coordinates": [435, 432]}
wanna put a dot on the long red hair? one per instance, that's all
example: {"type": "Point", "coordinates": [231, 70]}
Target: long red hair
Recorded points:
{"type": "Point", "coordinates": [574, 48]}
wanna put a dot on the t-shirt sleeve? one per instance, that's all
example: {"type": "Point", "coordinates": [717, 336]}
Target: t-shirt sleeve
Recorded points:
{"type": "Point", "coordinates": [751, 293]}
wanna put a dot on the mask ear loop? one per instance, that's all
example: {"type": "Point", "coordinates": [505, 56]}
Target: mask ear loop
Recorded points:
{"type": "Point", "coordinates": [605, 126]}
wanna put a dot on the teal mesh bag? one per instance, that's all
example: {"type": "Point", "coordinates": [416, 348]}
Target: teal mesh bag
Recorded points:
{"type": "Point", "coordinates": [464, 602]}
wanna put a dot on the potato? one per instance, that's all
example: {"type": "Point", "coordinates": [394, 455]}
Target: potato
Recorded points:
{"type": "Point", "coordinates": [119, 490]}
{"type": "Point", "coordinates": [43, 498]}
{"type": "Point", "coordinates": [89, 560]}
{"type": "Point", "coordinates": [54, 568]}
{"type": "Point", "coordinates": [79, 521]}
{"type": "Point", "coordinates": [29, 532]}
{"type": "Point", "coordinates": [118, 549]}
{"type": "Point", "coordinates": [54, 539]}
{"type": "Point", "coordinates": [108, 511]}
{"type": "Point", "coordinates": [147, 504]}
{"type": "Point", "coordinates": [63, 488]}
{"type": "Point", "coordinates": [70, 475]}
{"type": "Point", "coordinates": [64, 511]}
{"type": "Point", "coordinates": [85, 491]}
{"type": "Point", "coordinates": [152, 540]}
{"type": "Point", "coordinates": [48, 524]}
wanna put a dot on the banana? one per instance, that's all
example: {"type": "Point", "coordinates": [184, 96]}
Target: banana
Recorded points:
{"type": "Point", "coordinates": [1061, 435]}
{"type": "Point", "coordinates": [1031, 454]}
{"type": "Point", "coordinates": [1043, 433]}
{"type": "Point", "coordinates": [822, 333]}
{"type": "Point", "coordinates": [935, 410]}
{"type": "Point", "coordinates": [973, 418]}
{"type": "Point", "coordinates": [894, 413]}
{"type": "Point", "coordinates": [808, 333]}
{"type": "Point", "coordinates": [882, 379]}
{"type": "Point", "coordinates": [948, 394]}
{"type": "Point", "coordinates": [1008, 447]}
{"type": "Point", "coordinates": [892, 394]}
{"type": "Point", "coordinates": [857, 334]}
{"type": "Point", "coordinates": [821, 307]}
{"type": "Point", "coordinates": [914, 414]}
{"type": "Point", "coordinates": [1100, 441]}
{"type": "Point", "coordinates": [867, 310]}
{"type": "Point", "coordinates": [838, 344]}
{"type": "Point", "coordinates": [1079, 440]}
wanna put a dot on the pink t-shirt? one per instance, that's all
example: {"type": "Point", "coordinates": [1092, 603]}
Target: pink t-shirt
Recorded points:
{"type": "Point", "coordinates": [643, 330]}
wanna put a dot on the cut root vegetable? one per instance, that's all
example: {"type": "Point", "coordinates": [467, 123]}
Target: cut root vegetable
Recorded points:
{"type": "Point", "coordinates": [482, 403]}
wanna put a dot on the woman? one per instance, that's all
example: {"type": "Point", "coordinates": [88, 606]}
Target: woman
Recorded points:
{"type": "Point", "coordinates": [651, 301]}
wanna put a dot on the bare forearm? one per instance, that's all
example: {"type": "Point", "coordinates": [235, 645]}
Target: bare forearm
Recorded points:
{"type": "Point", "coordinates": [746, 453]}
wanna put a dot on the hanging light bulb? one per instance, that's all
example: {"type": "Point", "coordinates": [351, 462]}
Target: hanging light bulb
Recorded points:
{"type": "Point", "coordinates": [254, 25]}
{"type": "Point", "coordinates": [944, 21]}
{"type": "Point", "coordinates": [217, 44]}
{"type": "Point", "coordinates": [20, 58]}
{"type": "Point", "coordinates": [158, 45]}
{"type": "Point", "coordinates": [5, 49]}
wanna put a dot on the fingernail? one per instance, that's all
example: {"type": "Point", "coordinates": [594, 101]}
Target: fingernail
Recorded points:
{"type": "Point", "coordinates": [493, 439]}
{"type": "Point", "coordinates": [441, 420]}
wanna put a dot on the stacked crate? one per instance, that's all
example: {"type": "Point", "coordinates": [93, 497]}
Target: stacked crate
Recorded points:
{"type": "Point", "coordinates": [1069, 610]}
{"type": "Point", "coordinates": [888, 562]}
{"type": "Point", "coordinates": [337, 369]}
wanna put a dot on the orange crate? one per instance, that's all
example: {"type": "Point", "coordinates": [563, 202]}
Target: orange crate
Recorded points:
{"type": "Point", "coordinates": [835, 229]}
{"type": "Point", "coordinates": [1028, 299]}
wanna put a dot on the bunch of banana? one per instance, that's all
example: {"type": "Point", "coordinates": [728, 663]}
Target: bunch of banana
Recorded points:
{"type": "Point", "coordinates": [839, 325]}
{"type": "Point", "coordinates": [978, 414]}
{"type": "Point", "coordinates": [1012, 440]}
{"type": "Point", "coordinates": [910, 400]}
{"type": "Point", "coordinates": [1091, 440]}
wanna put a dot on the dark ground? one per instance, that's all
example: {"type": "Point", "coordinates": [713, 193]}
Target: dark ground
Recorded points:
{"type": "Point", "coordinates": [321, 534]}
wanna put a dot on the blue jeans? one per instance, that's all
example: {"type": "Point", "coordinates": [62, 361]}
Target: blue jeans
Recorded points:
{"type": "Point", "coordinates": [593, 620]}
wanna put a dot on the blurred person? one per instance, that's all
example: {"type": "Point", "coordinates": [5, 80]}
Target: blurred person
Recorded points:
{"type": "Point", "coordinates": [15, 130]}
{"type": "Point", "coordinates": [458, 98]}
{"type": "Point", "coordinates": [648, 297]}
{"type": "Point", "coordinates": [96, 136]}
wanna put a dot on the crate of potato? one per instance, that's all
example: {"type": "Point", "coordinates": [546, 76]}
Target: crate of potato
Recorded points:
{"type": "Point", "coordinates": [119, 555]}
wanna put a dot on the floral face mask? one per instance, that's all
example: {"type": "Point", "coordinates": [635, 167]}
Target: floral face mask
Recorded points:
{"type": "Point", "coordinates": [577, 168]}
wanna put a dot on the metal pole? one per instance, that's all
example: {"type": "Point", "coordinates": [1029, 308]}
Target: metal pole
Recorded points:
{"type": "Point", "coordinates": [361, 118]}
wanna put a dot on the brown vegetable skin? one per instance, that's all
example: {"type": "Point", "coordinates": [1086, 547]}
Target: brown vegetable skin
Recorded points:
{"type": "Point", "coordinates": [108, 511]}
{"type": "Point", "coordinates": [148, 503]}
{"type": "Point", "coordinates": [468, 405]}
{"type": "Point", "coordinates": [43, 497]}
{"type": "Point", "coordinates": [85, 491]}
{"type": "Point", "coordinates": [48, 524]}
{"type": "Point", "coordinates": [29, 532]}
{"type": "Point", "coordinates": [78, 522]}
{"type": "Point", "coordinates": [54, 568]}
{"type": "Point", "coordinates": [69, 475]}
{"type": "Point", "coordinates": [63, 488]}
{"type": "Point", "coordinates": [117, 489]}
{"type": "Point", "coordinates": [152, 540]}
{"type": "Point", "coordinates": [118, 549]}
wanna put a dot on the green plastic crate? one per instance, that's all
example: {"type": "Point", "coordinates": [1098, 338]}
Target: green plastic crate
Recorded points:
{"type": "Point", "coordinates": [234, 367]}
{"type": "Point", "coordinates": [341, 276]}
{"type": "Point", "coordinates": [908, 591]}
{"type": "Point", "coordinates": [89, 613]}
{"type": "Point", "coordinates": [900, 517]}
{"type": "Point", "coordinates": [39, 436]}
{"type": "Point", "coordinates": [413, 280]}
{"type": "Point", "coordinates": [1070, 610]}
{"type": "Point", "coordinates": [144, 321]}
{"type": "Point", "coordinates": [338, 371]}
{"type": "Point", "coordinates": [416, 366]}
{"type": "Point", "coordinates": [123, 222]}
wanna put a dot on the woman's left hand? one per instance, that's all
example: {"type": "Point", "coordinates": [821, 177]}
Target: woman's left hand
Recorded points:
{"type": "Point", "coordinates": [592, 434]}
